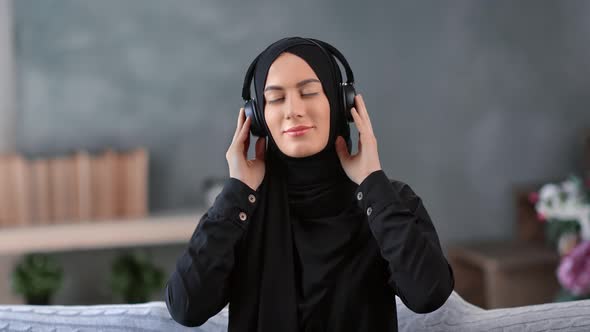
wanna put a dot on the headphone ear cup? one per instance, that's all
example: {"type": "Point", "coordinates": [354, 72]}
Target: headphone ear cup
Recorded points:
{"type": "Point", "coordinates": [256, 128]}
{"type": "Point", "coordinates": [348, 94]}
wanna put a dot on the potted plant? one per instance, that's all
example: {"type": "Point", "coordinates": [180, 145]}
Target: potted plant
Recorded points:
{"type": "Point", "coordinates": [134, 277]}
{"type": "Point", "coordinates": [37, 277]}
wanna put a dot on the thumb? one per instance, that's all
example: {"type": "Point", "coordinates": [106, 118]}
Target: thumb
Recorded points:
{"type": "Point", "coordinates": [341, 150]}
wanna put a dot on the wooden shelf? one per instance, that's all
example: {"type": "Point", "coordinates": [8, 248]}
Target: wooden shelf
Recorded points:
{"type": "Point", "coordinates": [153, 230]}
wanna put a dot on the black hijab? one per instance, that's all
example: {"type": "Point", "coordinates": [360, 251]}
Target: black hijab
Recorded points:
{"type": "Point", "coordinates": [306, 218]}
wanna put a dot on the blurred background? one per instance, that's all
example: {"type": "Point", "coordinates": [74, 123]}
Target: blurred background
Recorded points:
{"type": "Point", "coordinates": [475, 104]}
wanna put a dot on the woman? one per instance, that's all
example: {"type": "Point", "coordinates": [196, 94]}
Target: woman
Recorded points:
{"type": "Point", "coordinates": [306, 236]}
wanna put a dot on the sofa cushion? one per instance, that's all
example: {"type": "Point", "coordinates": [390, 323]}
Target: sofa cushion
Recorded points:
{"type": "Point", "coordinates": [455, 315]}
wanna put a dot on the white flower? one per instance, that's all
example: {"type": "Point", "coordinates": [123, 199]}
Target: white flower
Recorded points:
{"type": "Point", "coordinates": [565, 201]}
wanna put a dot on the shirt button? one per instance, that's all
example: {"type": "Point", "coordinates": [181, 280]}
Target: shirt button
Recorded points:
{"type": "Point", "coordinates": [369, 210]}
{"type": "Point", "coordinates": [252, 198]}
{"type": "Point", "coordinates": [243, 216]}
{"type": "Point", "coordinates": [359, 196]}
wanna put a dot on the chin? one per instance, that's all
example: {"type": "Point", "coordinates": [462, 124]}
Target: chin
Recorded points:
{"type": "Point", "coordinates": [300, 153]}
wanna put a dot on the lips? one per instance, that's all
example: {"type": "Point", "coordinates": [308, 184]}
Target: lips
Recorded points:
{"type": "Point", "coordinates": [297, 131]}
{"type": "Point", "coordinates": [297, 128]}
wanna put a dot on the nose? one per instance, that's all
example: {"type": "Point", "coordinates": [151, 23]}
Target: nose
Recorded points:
{"type": "Point", "coordinates": [294, 106]}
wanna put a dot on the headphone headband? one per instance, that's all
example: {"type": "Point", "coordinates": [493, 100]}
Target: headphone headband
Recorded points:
{"type": "Point", "coordinates": [248, 79]}
{"type": "Point", "coordinates": [321, 45]}
{"type": "Point", "coordinates": [334, 51]}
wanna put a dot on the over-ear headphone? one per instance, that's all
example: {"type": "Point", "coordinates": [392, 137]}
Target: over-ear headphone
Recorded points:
{"type": "Point", "coordinates": [346, 90]}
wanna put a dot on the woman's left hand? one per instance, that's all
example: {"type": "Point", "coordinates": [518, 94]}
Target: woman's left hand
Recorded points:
{"type": "Point", "coordinates": [366, 161]}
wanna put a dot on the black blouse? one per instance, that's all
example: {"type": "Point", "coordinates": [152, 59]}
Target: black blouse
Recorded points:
{"type": "Point", "coordinates": [403, 258]}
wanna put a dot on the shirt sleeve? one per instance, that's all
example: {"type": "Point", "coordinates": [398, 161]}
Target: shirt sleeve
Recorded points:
{"type": "Point", "coordinates": [419, 272]}
{"type": "Point", "coordinates": [199, 286]}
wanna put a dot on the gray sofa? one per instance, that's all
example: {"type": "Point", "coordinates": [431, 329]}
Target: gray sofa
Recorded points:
{"type": "Point", "coordinates": [455, 315]}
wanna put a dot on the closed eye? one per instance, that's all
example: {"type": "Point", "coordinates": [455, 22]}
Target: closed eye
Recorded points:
{"type": "Point", "coordinates": [310, 94]}
{"type": "Point", "coordinates": [274, 101]}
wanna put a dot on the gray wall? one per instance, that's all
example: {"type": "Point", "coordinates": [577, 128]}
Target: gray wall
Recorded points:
{"type": "Point", "coordinates": [7, 108]}
{"type": "Point", "coordinates": [467, 98]}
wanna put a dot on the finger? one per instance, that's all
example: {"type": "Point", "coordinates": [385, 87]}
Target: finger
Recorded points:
{"type": "Point", "coordinates": [246, 147]}
{"type": "Point", "coordinates": [341, 150]}
{"type": "Point", "coordinates": [239, 124]}
{"type": "Point", "coordinates": [362, 108]}
{"type": "Point", "coordinates": [360, 105]}
{"type": "Point", "coordinates": [244, 136]}
{"type": "Point", "coordinates": [358, 121]}
{"type": "Point", "coordinates": [360, 144]}
{"type": "Point", "coordinates": [260, 148]}
{"type": "Point", "coordinates": [244, 130]}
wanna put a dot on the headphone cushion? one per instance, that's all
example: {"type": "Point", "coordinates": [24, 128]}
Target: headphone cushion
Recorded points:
{"type": "Point", "coordinates": [348, 94]}
{"type": "Point", "coordinates": [256, 127]}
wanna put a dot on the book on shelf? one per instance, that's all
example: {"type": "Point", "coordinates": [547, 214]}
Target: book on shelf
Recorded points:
{"type": "Point", "coordinates": [82, 191]}
{"type": "Point", "coordinates": [40, 191]}
{"type": "Point", "coordinates": [134, 183]}
{"type": "Point", "coordinates": [61, 184]}
{"type": "Point", "coordinates": [104, 185]}
{"type": "Point", "coordinates": [19, 175]}
{"type": "Point", "coordinates": [14, 191]}
{"type": "Point", "coordinates": [3, 193]}
{"type": "Point", "coordinates": [74, 188]}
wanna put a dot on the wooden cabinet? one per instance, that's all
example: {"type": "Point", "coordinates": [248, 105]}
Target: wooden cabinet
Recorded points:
{"type": "Point", "coordinates": [504, 273]}
{"type": "Point", "coordinates": [498, 274]}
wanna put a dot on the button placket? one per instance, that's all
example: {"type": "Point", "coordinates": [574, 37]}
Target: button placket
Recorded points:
{"type": "Point", "coordinates": [243, 216]}
{"type": "Point", "coordinates": [251, 198]}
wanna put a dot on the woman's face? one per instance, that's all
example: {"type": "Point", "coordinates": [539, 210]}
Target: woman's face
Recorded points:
{"type": "Point", "coordinates": [294, 97]}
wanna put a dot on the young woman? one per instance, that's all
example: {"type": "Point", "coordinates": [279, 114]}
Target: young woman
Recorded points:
{"type": "Point", "coordinates": [306, 236]}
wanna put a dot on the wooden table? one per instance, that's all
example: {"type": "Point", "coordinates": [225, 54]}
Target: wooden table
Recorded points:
{"type": "Point", "coordinates": [498, 274]}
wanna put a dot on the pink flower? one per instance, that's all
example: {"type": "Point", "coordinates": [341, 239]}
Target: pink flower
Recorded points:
{"type": "Point", "coordinates": [541, 217]}
{"type": "Point", "coordinates": [534, 197]}
{"type": "Point", "coordinates": [574, 270]}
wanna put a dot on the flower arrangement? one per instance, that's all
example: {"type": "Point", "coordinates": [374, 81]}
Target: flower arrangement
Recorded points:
{"type": "Point", "coordinates": [564, 208]}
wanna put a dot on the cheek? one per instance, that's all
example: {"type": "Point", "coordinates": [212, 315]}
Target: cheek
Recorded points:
{"type": "Point", "coordinates": [273, 123]}
{"type": "Point", "coordinates": [327, 125]}
{"type": "Point", "coordinates": [326, 115]}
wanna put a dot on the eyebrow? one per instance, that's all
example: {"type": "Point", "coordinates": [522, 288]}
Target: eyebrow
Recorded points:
{"type": "Point", "coordinates": [300, 84]}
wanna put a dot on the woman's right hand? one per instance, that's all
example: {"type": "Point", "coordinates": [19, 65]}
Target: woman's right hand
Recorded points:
{"type": "Point", "coordinates": [251, 172]}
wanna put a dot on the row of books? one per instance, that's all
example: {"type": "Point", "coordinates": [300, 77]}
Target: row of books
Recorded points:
{"type": "Point", "coordinates": [75, 188]}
